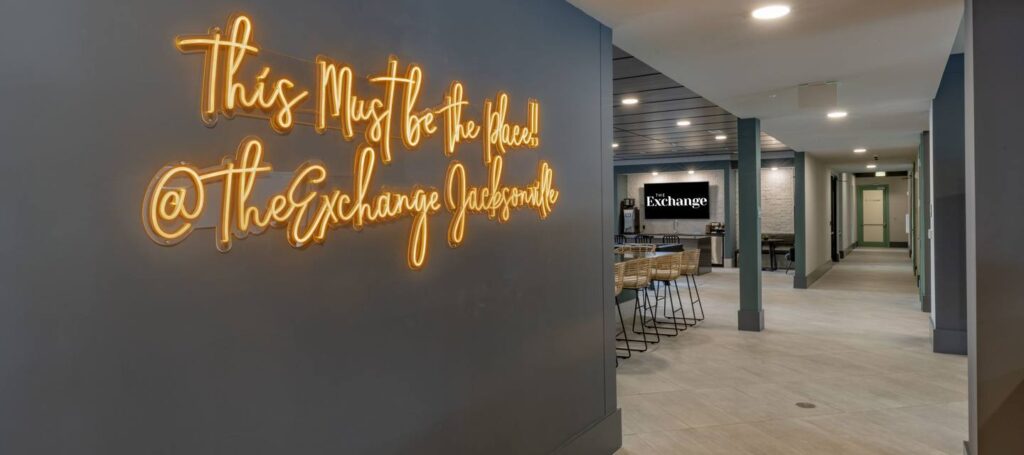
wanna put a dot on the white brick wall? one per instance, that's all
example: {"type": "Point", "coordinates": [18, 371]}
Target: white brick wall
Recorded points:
{"type": "Point", "coordinates": [716, 184]}
{"type": "Point", "coordinates": [777, 201]}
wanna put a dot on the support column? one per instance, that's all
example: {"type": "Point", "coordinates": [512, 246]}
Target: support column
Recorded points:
{"type": "Point", "coordinates": [729, 242]}
{"type": "Point", "coordinates": [800, 220]}
{"type": "Point", "coordinates": [994, 216]}
{"type": "Point", "coordinates": [924, 281]}
{"type": "Point", "coordinates": [751, 314]}
{"type": "Point", "coordinates": [949, 299]}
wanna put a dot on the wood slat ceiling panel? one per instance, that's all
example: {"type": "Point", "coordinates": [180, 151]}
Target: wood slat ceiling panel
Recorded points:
{"type": "Point", "coordinates": [638, 85]}
{"type": "Point", "coordinates": [649, 130]}
{"type": "Point", "coordinates": [630, 67]}
{"type": "Point", "coordinates": [672, 116]}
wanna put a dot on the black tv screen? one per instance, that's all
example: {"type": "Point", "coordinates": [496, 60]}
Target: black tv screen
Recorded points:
{"type": "Point", "coordinates": [677, 201]}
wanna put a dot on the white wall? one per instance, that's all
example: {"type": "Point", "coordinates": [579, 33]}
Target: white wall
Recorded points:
{"type": "Point", "coordinates": [716, 183]}
{"type": "Point", "coordinates": [899, 204]}
{"type": "Point", "coordinates": [817, 217]}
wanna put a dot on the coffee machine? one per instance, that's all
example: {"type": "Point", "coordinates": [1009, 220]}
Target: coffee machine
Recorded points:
{"type": "Point", "coordinates": [629, 217]}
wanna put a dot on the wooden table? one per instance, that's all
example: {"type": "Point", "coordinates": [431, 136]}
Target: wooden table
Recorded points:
{"type": "Point", "coordinates": [772, 242]}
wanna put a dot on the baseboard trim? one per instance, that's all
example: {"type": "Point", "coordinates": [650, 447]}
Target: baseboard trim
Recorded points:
{"type": "Point", "coordinates": [804, 282]}
{"type": "Point", "coordinates": [751, 320]}
{"type": "Point", "coordinates": [946, 341]}
{"type": "Point", "coordinates": [604, 437]}
{"type": "Point", "coordinates": [899, 245]}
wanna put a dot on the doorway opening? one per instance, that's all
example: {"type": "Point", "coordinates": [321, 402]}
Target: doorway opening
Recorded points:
{"type": "Point", "coordinates": [873, 216]}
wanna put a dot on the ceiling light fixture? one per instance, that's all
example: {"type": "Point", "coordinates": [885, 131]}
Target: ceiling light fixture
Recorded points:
{"type": "Point", "coordinates": [721, 137]}
{"type": "Point", "coordinates": [880, 174]}
{"type": "Point", "coordinates": [771, 12]}
{"type": "Point", "coordinates": [837, 114]}
{"type": "Point", "coordinates": [615, 145]}
{"type": "Point", "coordinates": [872, 166]}
{"type": "Point", "coordinates": [683, 123]}
{"type": "Point", "coordinates": [860, 150]}
{"type": "Point", "coordinates": [691, 171]}
{"type": "Point", "coordinates": [630, 101]}
{"type": "Point", "coordinates": [775, 168]}
{"type": "Point", "coordinates": [655, 173]}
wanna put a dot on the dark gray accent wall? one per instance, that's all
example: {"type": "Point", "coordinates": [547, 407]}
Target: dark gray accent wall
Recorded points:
{"type": "Point", "coordinates": [995, 253]}
{"type": "Point", "coordinates": [947, 171]}
{"type": "Point", "coordinates": [110, 344]}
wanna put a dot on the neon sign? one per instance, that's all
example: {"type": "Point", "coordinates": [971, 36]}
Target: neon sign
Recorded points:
{"type": "Point", "coordinates": [305, 210]}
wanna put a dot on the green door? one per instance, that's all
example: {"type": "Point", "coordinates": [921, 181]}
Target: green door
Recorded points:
{"type": "Point", "coordinates": [873, 215]}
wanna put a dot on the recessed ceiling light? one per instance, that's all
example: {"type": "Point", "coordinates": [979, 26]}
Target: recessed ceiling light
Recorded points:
{"type": "Point", "coordinates": [872, 166]}
{"type": "Point", "coordinates": [775, 168]}
{"type": "Point", "coordinates": [655, 173]}
{"type": "Point", "coordinates": [683, 123]}
{"type": "Point", "coordinates": [837, 114]}
{"type": "Point", "coordinates": [721, 137]}
{"type": "Point", "coordinates": [880, 174]}
{"type": "Point", "coordinates": [690, 172]}
{"type": "Point", "coordinates": [860, 150]}
{"type": "Point", "coordinates": [771, 12]}
{"type": "Point", "coordinates": [630, 101]}
{"type": "Point", "coordinates": [615, 145]}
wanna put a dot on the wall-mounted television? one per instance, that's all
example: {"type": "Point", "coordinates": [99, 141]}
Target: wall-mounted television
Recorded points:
{"type": "Point", "coordinates": [677, 201]}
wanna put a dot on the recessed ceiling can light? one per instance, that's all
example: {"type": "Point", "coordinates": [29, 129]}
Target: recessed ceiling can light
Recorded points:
{"type": "Point", "coordinates": [775, 168]}
{"type": "Point", "coordinates": [630, 101]}
{"type": "Point", "coordinates": [691, 171]}
{"type": "Point", "coordinates": [872, 166]}
{"type": "Point", "coordinates": [880, 174]}
{"type": "Point", "coordinates": [860, 150]}
{"type": "Point", "coordinates": [683, 123]}
{"type": "Point", "coordinates": [721, 137]}
{"type": "Point", "coordinates": [771, 12]}
{"type": "Point", "coordinates": [655, 173]}
{"type": "Point", "coordinates": [837, 114]}
{"type": "Point", "coordinates": [615, 145]}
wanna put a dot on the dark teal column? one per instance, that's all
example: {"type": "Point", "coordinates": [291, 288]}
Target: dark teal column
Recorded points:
{"type": "Point", "coordinates": [923, 263]}
{"type": "Point", "coordinates": [800, 221]}
{"type": "Point", "coordinates": [948, 212]}
{"type": "Point", "coordinates": [729, 242]}
{"type": "Point", "coordinates": [751, 314]}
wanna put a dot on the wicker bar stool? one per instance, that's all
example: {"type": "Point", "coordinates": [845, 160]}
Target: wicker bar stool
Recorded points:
{"type": "Point", "coordinates": [665, 270]}
{"type": "Point", "coordinates": [692, 265]}
{"type": "Point", "coordinates": [620, 273]}
{"type": "Point", "coordinates": [637, 278]}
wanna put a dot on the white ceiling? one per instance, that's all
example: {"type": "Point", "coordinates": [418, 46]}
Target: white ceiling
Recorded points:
{"type": "Point", "coordinates": [886, 55]}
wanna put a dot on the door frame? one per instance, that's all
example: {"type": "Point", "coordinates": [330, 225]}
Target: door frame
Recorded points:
{"type": "Point", "coordinates": [834, 217]}
{"type": "Point", "coordinates": [885, 215]}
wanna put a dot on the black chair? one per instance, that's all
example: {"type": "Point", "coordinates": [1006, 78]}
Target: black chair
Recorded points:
{"type": "Point", "coordinates": [670, 239]}
{"type": "Point", "coordinates": [620, 239]}
{"type": "Point", "coordinates": [790, 258]}
{"type": "Point", "coordinates": [644, 238]}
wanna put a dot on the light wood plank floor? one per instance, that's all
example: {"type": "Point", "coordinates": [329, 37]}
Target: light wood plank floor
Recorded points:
{"type": "Point", "coordinates": [856, 346]}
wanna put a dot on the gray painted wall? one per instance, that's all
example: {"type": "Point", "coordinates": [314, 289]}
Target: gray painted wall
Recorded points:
{"type": "Point", "coordinates": [110, 344]}
{"type": "Point", "coordinates": [949, 299]}
{"type": "Point", "coordinates": [817, 250]}
{"type": "Point", "coordinates": [995, 254]}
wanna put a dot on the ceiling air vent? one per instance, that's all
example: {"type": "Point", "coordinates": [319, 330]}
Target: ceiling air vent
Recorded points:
{"type": "Point", "coordinates": [818, 95]}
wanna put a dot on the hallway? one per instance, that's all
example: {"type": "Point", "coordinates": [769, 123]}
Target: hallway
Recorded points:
{"type": "Point", "coordinates": [855, 346]}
